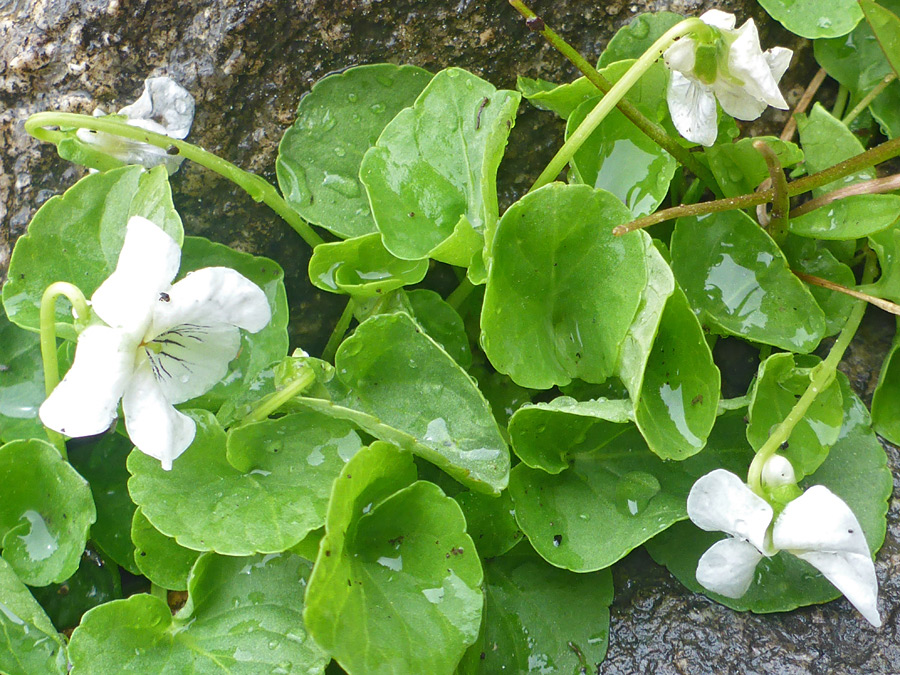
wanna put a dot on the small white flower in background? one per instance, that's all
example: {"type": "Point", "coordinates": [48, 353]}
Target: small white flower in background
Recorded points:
{"type": "Point", "coordinates": [163, 344]}
{"type": "Point", "coordinates": [817, 527]}
{"type": "Point", "coordinates": [734, 69]}
{"type": "Point", "coordinates": [166, 108]}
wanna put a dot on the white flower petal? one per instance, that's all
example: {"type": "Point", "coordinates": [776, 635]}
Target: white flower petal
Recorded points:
{"type": "Point", "coordinates": [693, 109]}
{"type": "Point", "coordinates": [193, 359]}
{"type": "Point", "coordinates": [213, 295]}
{"type": "Point", "coordinates": [778, 471]}
{"type": "Point", "coordinates": [153, 425]}
{"type": "Point", "coordinates": [778, 58]}
{"type": "Point", "coordinates": [86, 400]}
{"type": "Point", "coordinates": [727, 567]}
{"type": "Point", "coordinates": [748, 64]}
{"type": "Point", "coordinates": [147, 264]}
{"type": "Point", "coordinates": [853, 575]}
{"type": "Point", "coordinates": [681, 56]}
{"type": "Point", "coordinates": [166, 102]}
{"type": "Point", "coordinates": [720, 501]}
{"type": "Point", "coordinates": [737, 102]}
{"type": "Point", "coordinates": [719, 19]}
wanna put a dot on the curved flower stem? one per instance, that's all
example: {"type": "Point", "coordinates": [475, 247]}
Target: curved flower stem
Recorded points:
{"type": "Point", "coordinates": [271, 404]}
{"type": "Point", "coordinates": [881, 153]}
{"type": "Point", "coordinates": [823, 375]}
{"type": "Point", "coordinates": [340, 329]}
{"type": "Point", "coordinates": [781, 202]}
{"type": "Point", "coordinates": [652, 130]}
{"type": "Point", "coordinates": [48, 340]}
{"type": "Point", "coordinates": [868, 98]}
{"type": "Point", "coordinates": [613, 96]}
{"type": "Point", "coordinates": [866, 187]}
{"type": "Point", "coordinates": [257, 187]}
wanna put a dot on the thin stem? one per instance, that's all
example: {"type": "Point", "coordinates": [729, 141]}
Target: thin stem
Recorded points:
{"type": "Point", "coordinates": [840, 102]}
{"type": "Point", "coordinates": [257, 187]}
{"type": "Point", "coordinates": [781, 202]}
{"type": "Point", "coordinates": [866, 187]}
{"type": "Point", "coordinates": [460, 293]}
{"type": "Point", "coordinates": [876, 155]}
{"type": "Point", "coordinates": [791, 127]}
{"type": "Point", "coordinates": [615, 94]}
{"type": "Point", "coordinates": [652, 130]}
{"type": "Point", "coordinates": [340, 329]}
{"type": "Point", "coordinates": [159, 592]}
{"type": "Point", "coordinates": [868, 98]}
{"type": "Point", "coordinates": [881, 303]}
{"type": "Point", "coordinates": [823, 375]}
{"type": "Point", "coordinates": [270, 405]}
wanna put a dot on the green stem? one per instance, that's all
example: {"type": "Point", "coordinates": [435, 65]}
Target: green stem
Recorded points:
{"type": "Point", "coordinates": [874, 186]}
{"type": "Point", "coordinates": [460, 293]}
{"type": "Point", "coordinates": [159, 592]}
{"type": "Point", "coordinates": [881, 153]}
{"type": "Point", "coordinates": [615, 94]}
{"type": "Point", "coordinates": [257, 187]}
{"type": "Point", "coordinates": [781, 202]}
{"type": "Point", "coordinates": [652, 130]}
{"type": "Point", "coordinates": [823, 375]}
{"type": "Point", "coordinates": [868, 98]}
{"type": "Point", "coordinates": [271, 404]}
{"type": "Point", "coordinates": [339, 331]}
{"type": "Point", "coordinates": [840, 102]}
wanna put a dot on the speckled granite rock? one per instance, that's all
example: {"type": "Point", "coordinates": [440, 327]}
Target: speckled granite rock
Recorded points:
{"type": "Point", "coordinates": [247, 62]}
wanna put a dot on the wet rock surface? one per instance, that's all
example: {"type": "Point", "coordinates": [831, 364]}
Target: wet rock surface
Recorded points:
{"type": "Point", "coordinates": [247, 63]}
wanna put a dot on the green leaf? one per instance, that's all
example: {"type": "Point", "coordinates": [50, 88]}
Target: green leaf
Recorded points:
{"type": "Point", "coordinates": [540, 619]}
{"type": "Point", "coordinates": [396, 585]}
{"type": "Point", "coordinates": [263, 493]}
{"type": "Point", "coordinates": [810, 257]}
{"type": "Point", "coordinates": [738, 281]}
{"type": "Point", "coordinates": [557, 268]}
{"type": "Point", "coordinates": [636, 37]}
{"type": "Point", "coordinates": [886, 399]}
{"type": "Point", "coordinates": [243, 616]}
{"type": "Point", "coordinates": [258, 350]}
{"type": "Point", "coordinates": [827, 141]}
{"type": "Point", "coordinates": [21, 382]}
{"type": "Point", "coordinates": [77, 237]}
{"type": "Point", "coordinates": [45, 513]}
{"type": "Point", "coordinates": [855, 60]}
{"type": "Point", "coordinates": [337, 121]}
{"type": "Point", "coordinates": [29, 643]}
{"type": "Point", "coordinates": [490, 521]}
{"type": "Point", "coordinates": [160, 558]}
{"type": "Point", "coordinates": [779, 384]}
{"type": "Point", "coordinates": [739, 168]}
{"type": "Point", "coordinates": [442, 323]}
{"type": "Point", "coordinates": [849, 218]}
{"type": "Point", "coordinates": [362, 268]}
{"type": "Point", "coordinates": [102, 463]}
{"type": "Point", "coordinates": [431, 177]}
{"type": "Point", "coordinates": [856, 471]}
{"type": "Point", "coordinates": [561, 99]}
{"type": "Point", "coordinates": [886, 26]}
{"type": "Point", "coordinates": [823, 19]}
{"type": "Point", "coordinates": [886, 110]}
{"type": "Point", "coordinates": [886, 245]}
{"type": "Point", "coordinates": [401, 386]}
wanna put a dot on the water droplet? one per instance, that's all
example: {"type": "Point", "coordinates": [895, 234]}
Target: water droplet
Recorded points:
{"type": "Point", "coordinates": [340, 152]}
{"type": "Point", "coordinates": [377, 108]}
{"type": "Point", "coordinates": [639, 28]}
{"type": "Point", "coordinates": [315, 457]}
{"type": "Point", "coordinates": [352, 97]}
{"type": "Point", "coordinates": [634, 491]}
{"type": "Point", "coordinates": [40, 544]}
{"type": "Point", "coordinates": [395, 564]}
{"type": "Point", "coordinates": [347, 187]}
{"type": "Point", "coordinates": [824, 22]}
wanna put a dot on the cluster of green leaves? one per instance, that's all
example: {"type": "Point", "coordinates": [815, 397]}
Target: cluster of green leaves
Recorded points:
{"type": "Point", "coordinates": [379, 518]}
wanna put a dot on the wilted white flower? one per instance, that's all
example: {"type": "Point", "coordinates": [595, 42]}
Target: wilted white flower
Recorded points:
{"type": "Point", "coordinates": [817, 527]}
{"type": "Point", "coordinates": [163, 344]}
{"type": "Point", "coordinates": [166, 108]}
{"type": "Point", "coordinates": [733, 68]}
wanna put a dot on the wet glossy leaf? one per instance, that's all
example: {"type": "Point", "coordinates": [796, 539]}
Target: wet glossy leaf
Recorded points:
{"type": "Point", "coordinates": [855, 60]}
{"type": "Point", "coordinates": [76, 237]}
{"type": "Point", "coordinates": [45, 513]}
{"type": "Point", "coordinates": [243, 616]}
{"type": "Point", "coordinates": [827, 141]}
{"type": "Point", "coordinates": [400, 386]}
{"type": "Point", "coordinates": [442, 323]}
{"type": "Point", "coordinates": [160, 558]}
{"type": "Point", "coordinates": [29, 642]}
{"type": "Point", "coordinates": [559, 98]}
{"type": "Point", "coordinates": [856, 471]}
{"type": "Point", "coordinates": [362, 268]}
{"type": "Point", "coordinates": [738, 280]}
{"type": "Point", "coordinates": [263, 492]}
{"type": "Point", "coordinates": [540, 619]}
{"type": "Point", "coordinates": [779, 384]}
{"type": "Point", "coordinates": [849, 218]}
{"type": "Point", "coordinates": [395, 572]}
{"type": "Point", "coordinates": [739, 168]}
{"type": "Point", "coordinates": [557, 269]}
{"type": "Point", "coordinates": [886, 245]}
{"type": "Point", "coordinates": [636, 37]}
{"type": "Point", "coordinates": [21, 382]}
{"type": "Point", "coordinates": [337, 121]}
{"type": "Point", "coordinates": [824, 19]}
{"type": "Point", "coordinates": [886, 110]}
{"type": "Point", "coordinates": [886, 26]}
{"type": "Point", "coordinates": [611, 500]}
{"type": "Point", "coordinates": [490, 521]}
{"type": "Point", "coordinates": [102, 463]}
{"type": "Point", "coordinates": [431, 178]}
{"type": "Point", "coordinates": [886, 399]}
{"type": "Point", "coordinates": [805, 255]}
{"type": "Point", "coordinates": [258, 350]}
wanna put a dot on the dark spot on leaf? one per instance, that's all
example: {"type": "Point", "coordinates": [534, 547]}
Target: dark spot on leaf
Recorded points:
{"type": "Point", "coordinates": [172, 150]}
{"type": "Point", "coordinates": [412, 214]}
{"type": "Point", "coordinates": [697, 399]}
{"type": "Point", "coordinates": [483, 656]}
{"type": "Point", "coordinates": [143, 553]}
{"type": "Point", "coordinates": [349, 583]}
{"type": "Point", "coordinates": [784, 446]}
{"type": "Point", "coordinates": [327, 554]}
{"type": "Point", "coordinates": [557, 539]}
{"type": "Point", "coordinates": [64, 589]}
{"type": "Point", "coordinates": [396, 541]}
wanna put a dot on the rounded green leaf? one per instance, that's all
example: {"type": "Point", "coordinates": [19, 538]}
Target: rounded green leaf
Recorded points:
{"type": "Point", "coordinates": [808, 256]}
{"type": "Point", "coordinates": [636, 37]}
{"type": "Point", "coordinates": [243, 616]}
{"type": "Point", "coordinates": [490, 522]}
{"type": "Point", "coordinates": [821, 19]}
{"type": "Point", "coordinates": [264, 494]}
{"type": "Point", "coordinates": [855, 60]}
{"type": "Point", "coordinates": [849, 218]}
{"type": "Point", "coordinates": [826, 141]}
{"type": "Point", "coordinates": [396, 585]}
{"type": "Point", "coordinates": [362, 268]}
{"type": "Point", "coordinates": [160, 558]}
{"type": "Point", "coordinates": [886, 399]}
{"type": "Point", "coordinates": [77, 237]}
{"type": "Point", "coordinates": [442, 323]}
{"type": "Point", "coordinates": [739, 168]}
{"type": "Point", "coordinates": [21, 382]}
{"type": "Point", "coordinates": [337, 121]}
{"type": "Point", "coordinates": [562, 290]}
{"type": "Point", "coordinates": [886, 245]}
{"type": "Point", "coordinates": [738, 281]}
{"type": "Point", "coordinates": [886, 26]}
{"type": "Point", "coordinates": [561, 99]}
{"type": "Point", "coordinates": [45, 513]}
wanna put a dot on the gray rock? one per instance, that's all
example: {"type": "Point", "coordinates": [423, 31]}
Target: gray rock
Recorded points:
{"type": "Point", "coordinates": [247, 63]}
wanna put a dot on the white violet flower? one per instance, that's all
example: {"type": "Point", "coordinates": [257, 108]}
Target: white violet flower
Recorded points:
{"type": "Point", "coordinates": [817, 527]}
{"type": "Point", "coordinates": [163, 344]}
{"type": "Point", "coordinates": [733, 68]}
{"type": "Point", "coordinates": [166, 108]}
